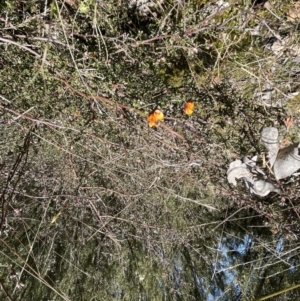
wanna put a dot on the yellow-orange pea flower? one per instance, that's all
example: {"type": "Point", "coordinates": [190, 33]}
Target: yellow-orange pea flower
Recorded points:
{"type": "Point", "coordinates": [155, 117]}
{"type": "Point", "coordinates": [189, 107]}
{"type": "Point", "coordinates": [159, 115]}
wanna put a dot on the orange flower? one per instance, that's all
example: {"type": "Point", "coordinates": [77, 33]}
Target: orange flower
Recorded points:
{"type": "Point", "coordinates": [189, 107]}
{"type": "Point", "coordinates": [155, 117]}
{"type": "Point", "coordinates": [159, 115]}
{"type": "Point", "coordinates": [152, 121]}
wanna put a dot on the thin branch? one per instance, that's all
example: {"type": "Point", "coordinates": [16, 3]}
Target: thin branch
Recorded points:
{"type": "Point", "coordinates": [5, 291]}
{"type": "Point", "coordinates": [20, 46]}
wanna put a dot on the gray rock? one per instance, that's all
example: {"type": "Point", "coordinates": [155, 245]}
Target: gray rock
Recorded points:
{"type": "Point", "coordinates": [287, 161]}
{"type": "Point", "coordinates": [249, 172]}
{"type": "Point", "coordinates": [269, 137]}
{"type": "Point", "coordinates": [263, 188]}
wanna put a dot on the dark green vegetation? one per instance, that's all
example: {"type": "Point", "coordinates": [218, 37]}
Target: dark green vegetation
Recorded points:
{"type": "Point", "coordinates": [95, 205]}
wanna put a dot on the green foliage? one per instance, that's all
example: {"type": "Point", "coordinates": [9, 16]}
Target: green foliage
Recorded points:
{"type": "Point", "coordinates": [95, 205]}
